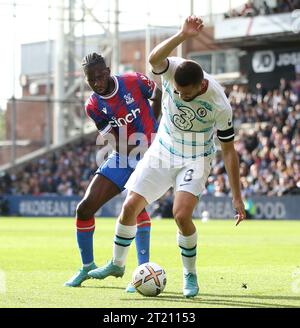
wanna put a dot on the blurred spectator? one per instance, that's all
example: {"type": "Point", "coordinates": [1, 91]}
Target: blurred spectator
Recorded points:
{"type": "Point", "coordinates": [284, 6]}
{"type": "Point", "coordinates": [249, 10]}
{"type": "Point", "coordinates": [265, 9]}
{"type": "Point", "coordinates": [3, 206]}
{"type": "Point", "coordinates": [249, 208]}
{"type": "Point", "coordinates": [283, 86]}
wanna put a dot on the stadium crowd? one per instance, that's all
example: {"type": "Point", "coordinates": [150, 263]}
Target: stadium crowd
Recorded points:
{"type": "Point", "coordinates": [267, 140]}
{"type": "Point", "coordinates": [65, 172]}
{"type": "Point", "coordinates": [249, 9]}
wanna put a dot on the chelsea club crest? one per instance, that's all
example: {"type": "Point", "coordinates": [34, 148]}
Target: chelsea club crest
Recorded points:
{"type": "Point", "coordinates": [202, 112]}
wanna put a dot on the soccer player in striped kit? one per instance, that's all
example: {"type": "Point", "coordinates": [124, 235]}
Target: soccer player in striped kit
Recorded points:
{"type": "Point", "coordinates": [120, 108]}
{"type": "Point", "coordinates": [193, 106]}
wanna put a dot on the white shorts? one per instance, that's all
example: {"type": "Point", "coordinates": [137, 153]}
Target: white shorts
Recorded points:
{"type": "Point", "coordinates": [153, 182]}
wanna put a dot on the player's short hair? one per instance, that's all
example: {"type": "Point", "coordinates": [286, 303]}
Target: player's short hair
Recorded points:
{"type": "Point", "coordinates": [91, 60]}
{"type": "Point", "coordinates": [188, 73]}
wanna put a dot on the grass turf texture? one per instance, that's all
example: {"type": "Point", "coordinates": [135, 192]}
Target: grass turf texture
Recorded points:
{"type": "Point", "coordinates": [256, 264]}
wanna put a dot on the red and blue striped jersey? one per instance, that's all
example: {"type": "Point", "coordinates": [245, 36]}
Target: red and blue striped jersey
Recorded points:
{"type": "Point", "coordinates": [127, 105]}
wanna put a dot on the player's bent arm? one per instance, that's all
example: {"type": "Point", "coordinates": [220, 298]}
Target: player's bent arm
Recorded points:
{"type": "Point", "coordinates": [107, 135]}
{"type": "Point", "coordinates": [108, 138]}
{"type": "Point", "coordinates": [158, 56]}
{"type": "Point", "coordinates": [112, 138]}
{"type": "Point", "coordinates": [156, 102]}
{"type": "Point", "coordinates": [231, 162]}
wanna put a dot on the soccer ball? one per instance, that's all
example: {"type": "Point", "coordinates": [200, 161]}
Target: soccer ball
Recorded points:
{"type": "Point", "coordinates": [149, 279]}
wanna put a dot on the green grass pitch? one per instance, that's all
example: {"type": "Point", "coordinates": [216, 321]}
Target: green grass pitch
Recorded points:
{"type": "Point", "coordinates": [256, 264]}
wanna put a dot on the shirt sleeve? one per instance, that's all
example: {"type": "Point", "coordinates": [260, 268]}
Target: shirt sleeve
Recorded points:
{"type": "Point", "coordinates": [97, 117]}
{"type": "Point", "coordinates": [225, 131]}
{"type": "Point", "coordinates": [169, 72]}
{"type": "Point", "coordinates": [146, 85]}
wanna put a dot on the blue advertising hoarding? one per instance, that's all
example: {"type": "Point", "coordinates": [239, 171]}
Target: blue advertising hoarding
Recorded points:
{"type": "Point", "coordinates": [261, 207]}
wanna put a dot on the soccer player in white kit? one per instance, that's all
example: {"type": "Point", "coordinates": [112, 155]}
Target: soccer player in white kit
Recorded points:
{"type": "Point", "coordinates": [193, 105]}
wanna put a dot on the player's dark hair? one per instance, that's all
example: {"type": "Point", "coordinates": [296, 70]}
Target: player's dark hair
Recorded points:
{"type": "Point", "coordinates": [91, 60]}
{"type": "Point", "coordinates": [188, 73]}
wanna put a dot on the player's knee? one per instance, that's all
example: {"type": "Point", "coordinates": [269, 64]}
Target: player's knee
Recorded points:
{"type": "Point", "coordinates": [129, 210]}
{"type": "Point", "coordinates": [83, 211]}
{"type": "Point", "coordinates": [181, 217]}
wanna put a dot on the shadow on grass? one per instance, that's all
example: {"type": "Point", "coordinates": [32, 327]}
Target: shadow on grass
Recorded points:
{"type": "Point", "coordinates": [222, 300]}
{"type": "Point", "coordinates": [262, 297]}
{"type": "Point", "coordinates": [105, 287]}
{"type": "Point", "coordinates": [213, 299]}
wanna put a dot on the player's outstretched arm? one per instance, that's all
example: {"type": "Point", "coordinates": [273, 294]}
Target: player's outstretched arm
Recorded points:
{"type": "Point", "coordinates": [231, 162]}
{"type": "Point", "coordinates": [191, 27]}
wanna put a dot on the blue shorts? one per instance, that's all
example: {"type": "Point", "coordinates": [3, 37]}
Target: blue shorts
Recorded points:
{"type": "Point", "coordinates": [118, 169]}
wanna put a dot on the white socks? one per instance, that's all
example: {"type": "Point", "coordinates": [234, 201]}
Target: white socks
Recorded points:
{"type": "Point", "coordinates": [124, 236]}
{"type": "Point", "coordinates": [188, 246]}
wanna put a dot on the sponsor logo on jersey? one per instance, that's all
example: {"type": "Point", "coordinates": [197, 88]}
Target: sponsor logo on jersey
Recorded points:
{"type": "Point", "coordinates": [104, 110]}
{"type": "Point", "coordinates": [129, 118]}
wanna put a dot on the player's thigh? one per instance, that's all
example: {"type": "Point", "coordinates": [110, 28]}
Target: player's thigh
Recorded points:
{"type": "Point", "coordinates": [117, 169]}
{"type": "Point", "coordinates": [193, 176]}
{"type": "Point", "coordinates": [149, 182]}
{"type": "Point", "coordinates": [109, 180]}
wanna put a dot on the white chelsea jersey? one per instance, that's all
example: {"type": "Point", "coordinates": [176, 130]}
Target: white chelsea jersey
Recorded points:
{"type": "Point", "coordinates": [186, 128]}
